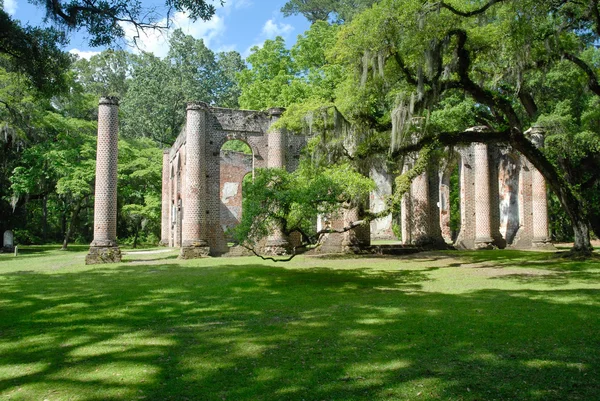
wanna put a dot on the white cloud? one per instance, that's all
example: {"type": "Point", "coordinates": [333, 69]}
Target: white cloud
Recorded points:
{"type": "Point", "coordinates": [86, 54]}
{"type": "Point", "coordinates": [10, 6]}
{"type": "Point", "coordinates": [234, 4]}
{"type": "Point", "coordinates": [247, 52]}
{"type": "Point", "coordinates": [240, 4]}
{"type": "Point", "coordinates": [226, 48]}
{"type": "Point", "coordinates": [157, 41]}
{"type": "Point", "coordinates": [272, 29]}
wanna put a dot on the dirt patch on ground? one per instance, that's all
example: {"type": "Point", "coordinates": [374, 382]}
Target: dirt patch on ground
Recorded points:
{"type": "Point", "coordinates": [484, 271]}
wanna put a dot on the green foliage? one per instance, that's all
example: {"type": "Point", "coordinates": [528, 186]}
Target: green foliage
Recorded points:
{"type": "Point", "coordinates": [284, 78]}
{"type": "Point", "coordinates": [104, 21]}
{"type": "Point", "coordinates": [338, 11]}
{"type": "Point", "coordinates": [292, 201]}
{"type": "Point", "coordinates": [236, 145]}
{"type": "Point", "coordinates": [155, 102]}
{"type": "Point", "coordinates": [105, 74]}
{"type": "Point", "coordinates": [139, 191]}
{"type": "Point", "coordinates": [270, 81]}
{"type": "Point", "coordinates": [35, 53]}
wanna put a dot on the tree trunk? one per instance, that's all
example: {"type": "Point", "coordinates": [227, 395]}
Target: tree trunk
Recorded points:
{"type": "Point", "coordinates": [69, 232]}
{"type": "Point", "coordinates": [45, 219]}
{"type": "Point", "coordinates": [135, 237]}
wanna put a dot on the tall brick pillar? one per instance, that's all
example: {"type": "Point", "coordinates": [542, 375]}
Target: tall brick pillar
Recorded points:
{"type": "Point", "coordinates": [277, 243]}
{"type": "Point", "coordinates": [539, 197]}
{"type": "Point", "coordinates": [420, 211]}
{"type": "Point", "coordinates": [166, 200]}
{"type": "Point", "coordinates": [406, 214]}
{"type": "Point", "coordinates": [193, 241]}
{"type": "Point", "coordinates": [104, 248]}
{"type": "Point", "coordinates": [466, 235]}
{"type": "Point", "coordinates": [419, 191]}
{"type": "Point", "coordinates": [483, 223]}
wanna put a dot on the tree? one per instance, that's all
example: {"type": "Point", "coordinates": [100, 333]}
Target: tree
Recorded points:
{"type": "Point", "coordinates": [154, 105]}
{"type": "Point", "coordinates": [292, 201]}
{"type": "Point", "coordinates": [105, 74]}
{"type": "Point", "coordinates": [339, 11]}
{"type": "Point", "coordinates": [139, 192]}
{"type": "Point", "coordinates": [104, 20]}
{"type": "Point", "coordinates": [281, 77]}
{"type": "Point", "coordinates": [35, 52]}
{"type": "Point", "coordinates": [496, 59]}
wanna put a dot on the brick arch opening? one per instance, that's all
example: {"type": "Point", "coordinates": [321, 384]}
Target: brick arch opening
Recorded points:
{"type": "Point", "coordinates": [234, 166]}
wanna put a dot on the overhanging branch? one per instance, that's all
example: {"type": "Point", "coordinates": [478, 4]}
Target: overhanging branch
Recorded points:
{"type": "Point", "coordinates": [472, 13]}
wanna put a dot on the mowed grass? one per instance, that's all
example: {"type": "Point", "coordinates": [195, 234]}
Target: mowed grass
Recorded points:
{"type": "Point", "coordinates": [497, 325]}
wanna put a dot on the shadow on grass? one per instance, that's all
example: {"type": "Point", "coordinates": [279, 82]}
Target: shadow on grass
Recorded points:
{"type": "Point", "coordinates": [175, 332]}
{"type": "Point", "coordinates": [558, 270]}
{"type": "Point", "coordinates": [34, 251]}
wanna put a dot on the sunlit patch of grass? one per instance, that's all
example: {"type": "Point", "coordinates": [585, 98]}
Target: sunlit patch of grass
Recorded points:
{"type": "Point", "coordinates": [437, 325]}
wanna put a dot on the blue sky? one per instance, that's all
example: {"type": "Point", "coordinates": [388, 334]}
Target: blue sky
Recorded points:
{"type": "Point", "coordinates": [238, 25]}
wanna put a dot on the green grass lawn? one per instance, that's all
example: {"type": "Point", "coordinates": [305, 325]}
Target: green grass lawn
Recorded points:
{"type": "Point", "coordinates": [497, 325]}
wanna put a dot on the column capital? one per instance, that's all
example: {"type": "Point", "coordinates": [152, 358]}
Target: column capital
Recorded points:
{"type": "Point", "coordinates": [536, 130]}
{"type": "Point", "coordinates": [197, 106]}
{"type": "Point", "coordinates": [109, 101]}
{"type": "Point", "coordinates": [478, 128]}
{"type": "Point", "coordinates": [276, 111]}
{"type": "Point", "coordinates": [537, 135]}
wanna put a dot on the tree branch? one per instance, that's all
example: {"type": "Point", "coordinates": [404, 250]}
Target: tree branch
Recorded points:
{"type": "Point", "coordinates": [480, 94]}
{"type": "Point", "coordinates": [318, 236]}
{"type": "Point", "coordinates": [592, 78]}
{"type": "Point", "coordinates": [472, 13]}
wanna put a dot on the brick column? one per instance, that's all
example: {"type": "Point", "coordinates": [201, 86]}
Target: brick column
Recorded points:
{"type": "Point", "coordinates": [277, 243]}
{"type": "Point", "coordinates": [466, 235]}
{"type": "Point", "coordinates": [406, 214]}
{"type": "Point", "coordinates": [444, 202]}
{"type": "Point", "coordinates": [483, 227]}
{"type": "Point", "coordinates": [193, 241]}
{"type": "Point", "coordinates": [419, 192]}
{"type": "Point", "coordinates": [166, 201]}
{"type": "Point", "coordinates": [381, 228]}
{"type": "Point", "coordinates": [539, 197]}
{"type": "Point", "coordinates": [104, 248]}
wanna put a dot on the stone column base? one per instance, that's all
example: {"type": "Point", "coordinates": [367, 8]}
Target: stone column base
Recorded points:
{"type": "Point", "coordinates": [277, 247]}
{"type": "Point", "coordinates": [194, 250]}
{"type": "Point", "coordinates": [543, 245]}
{"type": "Point", "coordinates": [484, 243]}
{"type": "Point", "coordinates": [164, 243]}
{"type": "Point", "coordinates": [103, 254]}
{"type": "Point", "coordinates": [430, 243]}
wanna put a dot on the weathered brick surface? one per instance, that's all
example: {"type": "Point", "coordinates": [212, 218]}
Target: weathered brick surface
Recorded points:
{"type": "Point", "coordinates": [524, 236]}
{"type": "Point", "coordinates": [483, 224]}
{"type": "Point", "coordinates": [277, 243]}
{"type": "Point", "coordinates": [166, 200]}
{"type": "Point", "coordinates": [220, 126]}
{"type": "Point", "coordinates": [194, 217]}
{"type": "Point", "coordinates": [539, 194]}
{"type": "Point", "coordinates": [381, 228]}
{"type": "Point", "coordinates": [444, 204]}
{"type": "Point", "coordinates": [508, 179]}
{"type": "Point", "coordinates": [234, 167]}
{"type": "Point", "coordinates": [420, 210]}
{"type": "Point", "coordinates": [498, 190]}
{"type": "Point", "coordinates": [105, 201]}
{"type": "Point", "coordinates": [466, 236]}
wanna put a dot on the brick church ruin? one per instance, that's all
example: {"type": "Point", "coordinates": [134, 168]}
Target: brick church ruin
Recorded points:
{"type": "Point", "coordinates": [503, 198]}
